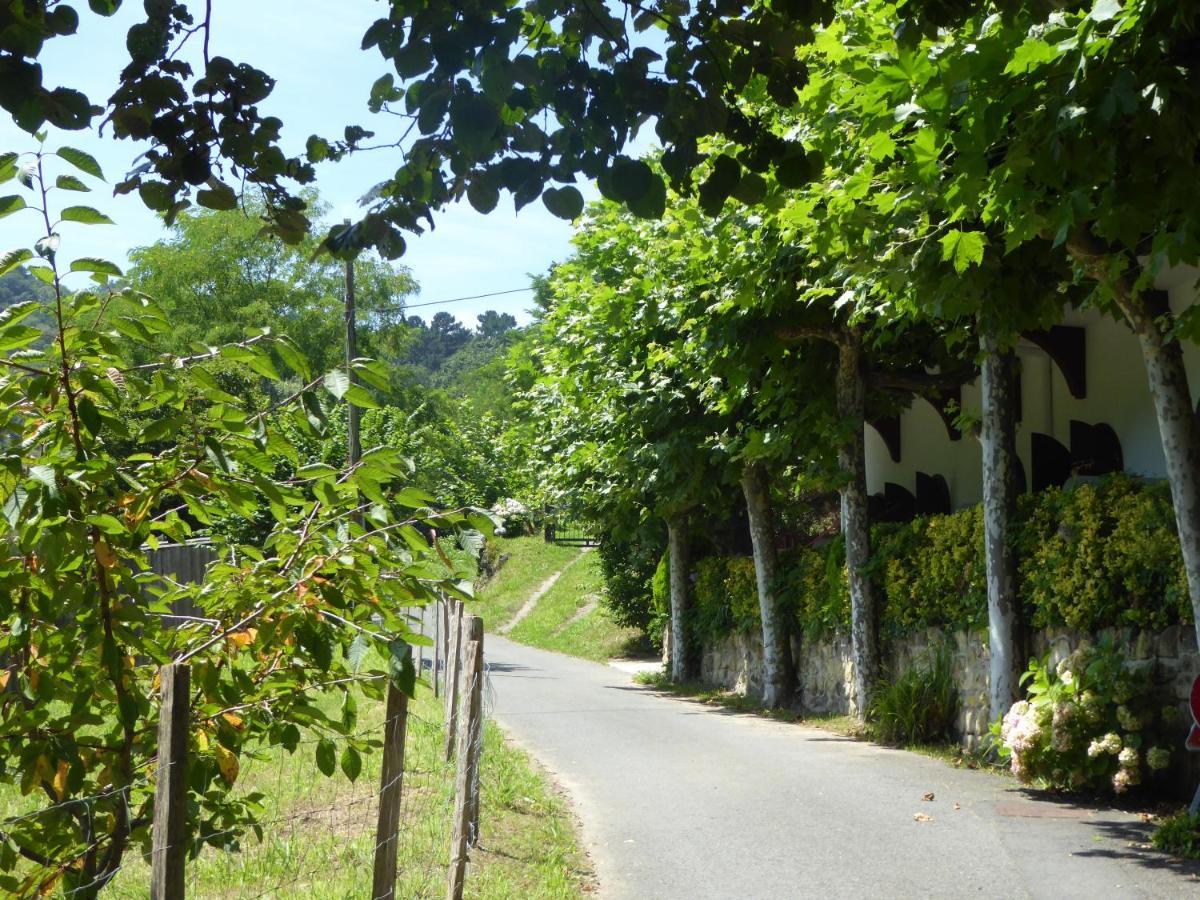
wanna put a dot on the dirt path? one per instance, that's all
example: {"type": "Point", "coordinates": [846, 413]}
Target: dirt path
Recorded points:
{"type": "Point", "coordinates": [528, 606]}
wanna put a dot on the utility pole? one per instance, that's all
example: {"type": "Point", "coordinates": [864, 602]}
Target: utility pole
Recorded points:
{"type": "Point", "coordinates": [353, 444]}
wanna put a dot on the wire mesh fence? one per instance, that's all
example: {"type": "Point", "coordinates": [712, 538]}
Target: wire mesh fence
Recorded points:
{"type": "Point", "coordinates": [311, 820]}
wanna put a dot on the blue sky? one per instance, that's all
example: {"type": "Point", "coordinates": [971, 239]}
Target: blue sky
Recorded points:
{"type": "Point", "coordinates": [323, 82]}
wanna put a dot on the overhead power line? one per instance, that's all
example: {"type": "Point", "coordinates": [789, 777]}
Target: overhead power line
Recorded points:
{"type": "Point", "coordinates": [409, 306]}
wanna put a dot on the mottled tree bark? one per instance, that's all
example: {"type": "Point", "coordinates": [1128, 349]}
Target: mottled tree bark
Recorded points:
{"type": "Point", "coordinates": [778, 671]}
{"type": "Point", "coordinates": [677, 548]}
{"type": "Point", "coordinates": [856, 526]}
{"type": "Point", "coordinates": [998, 437]}
{"type": "Point", "coordinates": [1149, 317]}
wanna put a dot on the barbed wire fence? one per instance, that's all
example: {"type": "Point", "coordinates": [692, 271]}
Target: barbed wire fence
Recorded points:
{"type": "Point", "coordinates": [390, 810]}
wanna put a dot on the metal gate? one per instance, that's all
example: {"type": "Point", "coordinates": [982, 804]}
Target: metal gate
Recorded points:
{"type": "Point", "coordinates": [562, 528]}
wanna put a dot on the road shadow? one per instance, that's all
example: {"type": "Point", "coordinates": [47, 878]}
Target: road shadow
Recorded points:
{"type": "Point", "coordinates": [1133, 838]}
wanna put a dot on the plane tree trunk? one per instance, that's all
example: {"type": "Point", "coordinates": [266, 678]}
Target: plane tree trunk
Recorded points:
{"type": "Point", "coordinates": [778, 670]}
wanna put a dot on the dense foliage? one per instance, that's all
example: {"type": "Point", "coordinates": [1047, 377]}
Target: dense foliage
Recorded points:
{"type": "Point", "coordinates": [104, 458]}
{"type": "Point", "coordinates": [1094, 556]}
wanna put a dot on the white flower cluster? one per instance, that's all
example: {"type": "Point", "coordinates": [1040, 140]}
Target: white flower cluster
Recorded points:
{"type": "Point", "coordinates": [1128, 719]}
{"type": "Point", "coordinates": [506, 510]}
{"type": "Point", "coordinates": [1110, 743]}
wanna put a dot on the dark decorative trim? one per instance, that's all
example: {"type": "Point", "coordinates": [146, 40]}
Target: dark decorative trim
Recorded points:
{"type": "Point", "coordinates": [889, 429]}
{"type": "Point", "coordinates": [1095, 449]}
{"type": "Point", "coordinates": [1051, 462]}
{"type": "Point", "coordinates": [941, 402]}
{"type": "Point", "coordinates": [1067, 346]}
{"type": "Point", "coordinates": [933, 495]}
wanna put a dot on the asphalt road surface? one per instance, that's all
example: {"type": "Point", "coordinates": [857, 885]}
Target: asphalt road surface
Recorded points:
{"type": "Point", "coordinates": [682, 800]}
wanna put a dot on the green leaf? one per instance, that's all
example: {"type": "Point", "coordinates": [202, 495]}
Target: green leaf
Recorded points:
{"type": "Point", "coordinates": [337, 382]}
{"type": "Point", "coordinates": [96, 266]}
{"type": "Point", "coordinates": [18, 312]}
{"type": "Point", "coordinates": [474, 119]}
{"type": "Point", "coordinates": [90, 415]}
{"type": "Point", "coordinates": [565, 202]}
{"type": "Point", "coordinates": [1103, 10]}
{"type": "Point", "coordinates": [292, 357]}
{"type": "Point", "coordinates": [84, 162]}
{"type": "Point", "coordinates": [963, 248]}
{"type": "Point", "coordinates": [8, 166]}
{"type": "Point", "coordinates": [11, 204]}
{"type": "Point", "coordinates": [15, 336]}
{"type": "Point", "coordinates": [108, 524]}
{"type": "Point", "coordinates": [71, 183]}
{"type": "Point", "coordinates": [359, 648]}
{"type": "Point", "coordinates": [45, 475]}
{"type": "Point", "coordinates": [85, 215]}
{"type": "Point", "coordinates": [361, 397]}
{"type": "Point", "coordinates": [219, 197]}
{"type": "Point", "coordinates": [1030, 55]}
{"type": "Point", "coordinates": [482, 195]}
{"type": "Point", "coordinates": [351, 763]}
{"type": "Point", "coordinates": [400, 667]}
{"type": "Point", "coordinates": [373, 372]}
{"type": "Point", "coordinates": [326, 756]}
{"type": "Point", "coordinates": [10, 259]}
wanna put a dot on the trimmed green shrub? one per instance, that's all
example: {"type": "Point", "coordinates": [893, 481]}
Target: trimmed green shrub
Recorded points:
{"type": "Point", "coordinates": [931, 572]}
{"type": "Point", "coordinates": [1095, 555]}
{"type": "Point", "coordinates": [813, 588]}
{"type": "Point", "coordinates": [1102, 554]}
{"type": "Point", "coordinates": [919, 706]}
{"type": "Point", "coordinates": [660, 594]}
{"type": "Point", "coordinates": [725, 596]}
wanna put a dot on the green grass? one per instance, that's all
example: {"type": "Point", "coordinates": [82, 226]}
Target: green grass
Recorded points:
{"type": "Point", "coordinates": [571, 619]}
{"type": "Point", "coordinates": [530, 562]}
{"type": "Point", "coordinates": [319, 833]}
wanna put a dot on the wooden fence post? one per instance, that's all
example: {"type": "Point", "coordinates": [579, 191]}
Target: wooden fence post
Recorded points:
{"type": "Point", "coordinates": [391, 785]}
{"type": "Point", "coordinates": [472, 733]}
{"type": "Point", "coordinates": [437, 645]}
{"type": "Point", "coordinates": [465, 774]}
{"type": "Point", "coordinates": [453, 665]}
{"type": "Point", "coordinates": [169, 837]}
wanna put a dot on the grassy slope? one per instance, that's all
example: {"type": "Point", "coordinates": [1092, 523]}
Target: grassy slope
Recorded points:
{"type": "Point", "coordinates": [556, 624]}
{"type": "Point", "coordinates": [530, 562]}
{"type": "Point", "coordinates": [319, 833]}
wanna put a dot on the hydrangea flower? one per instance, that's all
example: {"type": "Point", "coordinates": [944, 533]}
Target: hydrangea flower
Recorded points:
{"type": "Point", "coordinates": [1128, 719]}
{"type": "Point", "coordinates": [1110, 743]}
{"type": "Point", "coordinates": [1158, 758]}
{"type": "Point", "coordinates": [1128, 758]}
{"type": "Point", "coordinates": [1121, 781]}
{"type": "Point", "coordinates": [1011, 718]}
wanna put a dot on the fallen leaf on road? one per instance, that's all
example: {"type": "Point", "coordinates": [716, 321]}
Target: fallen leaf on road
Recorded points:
{"type": "Point", "coordinates": [921, 817]}
{"type": "Point", "coordinates": [957, 807]}
{"type": "Point", "coordinates": [928, 796]}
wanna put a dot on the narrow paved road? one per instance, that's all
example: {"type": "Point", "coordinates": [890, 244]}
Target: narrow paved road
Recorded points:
{"type": "Point", "coordinates": [681, 800]}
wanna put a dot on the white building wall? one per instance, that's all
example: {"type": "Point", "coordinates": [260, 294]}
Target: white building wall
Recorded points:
{"type": "Point", "coordinates": [1117, 393]}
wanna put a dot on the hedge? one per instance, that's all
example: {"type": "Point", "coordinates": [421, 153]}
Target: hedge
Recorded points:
{"type": "Point", "coordinates": [1095, 555]}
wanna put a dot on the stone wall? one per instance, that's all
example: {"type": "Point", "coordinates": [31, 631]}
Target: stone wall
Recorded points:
{"type": "Point", "coordinates": [825, 669]}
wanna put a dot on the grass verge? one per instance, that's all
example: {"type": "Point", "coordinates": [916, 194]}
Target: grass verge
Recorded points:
{"type": "Point", "coordinates": [318, 833]}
